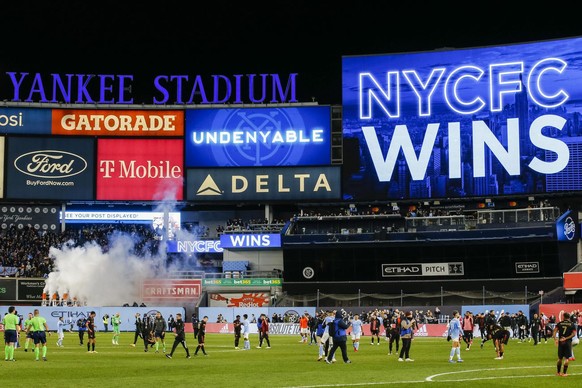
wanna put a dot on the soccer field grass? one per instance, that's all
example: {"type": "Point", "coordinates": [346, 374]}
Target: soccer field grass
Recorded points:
{"type": "Point", "coordinates": [288, 363]}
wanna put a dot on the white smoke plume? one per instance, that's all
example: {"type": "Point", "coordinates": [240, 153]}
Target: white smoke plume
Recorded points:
{"type": "Point", "coordinates": [101, 278]}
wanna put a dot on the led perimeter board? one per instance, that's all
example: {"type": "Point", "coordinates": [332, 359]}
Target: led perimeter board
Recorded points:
{"type": "Point", "coordinates": [258, 137]}
{"type": "Point", "coordinates": [464, 123]}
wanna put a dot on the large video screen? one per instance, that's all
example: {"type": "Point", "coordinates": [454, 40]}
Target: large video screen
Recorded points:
{"type": "Point", "coordinates": [258, 137]}
{"type": "Point", "coordinates": [474, 122]}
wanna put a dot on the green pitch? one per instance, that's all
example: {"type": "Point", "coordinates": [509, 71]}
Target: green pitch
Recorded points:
{"type": "Point", "coordinates": [288, 363]}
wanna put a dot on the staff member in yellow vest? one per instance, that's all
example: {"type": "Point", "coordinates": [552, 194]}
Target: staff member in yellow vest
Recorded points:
{"type": "Point", "coordinates": [11, 324]}
{"type": "Point", "coordinates": [39, 328]}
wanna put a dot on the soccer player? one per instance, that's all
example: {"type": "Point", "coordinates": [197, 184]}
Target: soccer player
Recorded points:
{"type": "Point", "coordinates": [195, 323]}
{"type": "Point", "coordinates": [468, 326]}
{"type": "Point", "coordinates": [565, 331]}
{"type": "Point", "coordinates": [28, 334]}
{"type": "Point", "coordinates": [327, 338]}
{"type": "Point", "coordinates": [180, 336]}
{"type": "Point", "coordinates": [39, 328]}
{"type": "Point", "coordinates": [60, 331]}
{"type": "Point", "coordinates": [375, 329]}
{"type": "Point", "coordinates": [160, 331]}
{"type": "Point", "coordinates": [394, 331]}
{"type": "Point", "coordinates": [115, 322]}
{"type": "Point", "coordinates": [137, 332]}
{"type": "Point", "coordinates": [260, 332]}
{"type": "Point", "coordinates": [339, 338]}
{"type": "Point", "coordinates": [303, 327]}
{"type": "Point", "coordinates": [11, 330]}
{"type": "Point", "coordinates": [356, 332]}
{"type": "Point", "coordinates": [500, 337]}
{"type": "Point", "coordinates": [454, 334]}
{"type": "Point", "coordinates": [246, 331]}
{"type": "Point", "coordinates": [264, 331]}
{"type": "Point", "coordinates": [201, 336]}
{"type": "Point", "coordinates": [91, 332]}
{"type": "Point", "coordinates": [237, 329]}
{"type": "Point", "coordinates": [146, 331]}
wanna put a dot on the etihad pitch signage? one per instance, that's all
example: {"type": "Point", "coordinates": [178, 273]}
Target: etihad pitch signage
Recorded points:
{"type": "Point", "coordinates": [50, 168]}
{"type": "Point", "coordinates": [527, 267]}
{"type": "Point", "coordinates": [140, 169]}
{"type": "Point", "coordinates": [263, 184]}
{"type": "Point", "coordinates": [252, 241]}
{"type": "Point", "coordinates": [193, 246]}
{"type": "Point", "coordinates": [471, 122]}
{"type": "Point", "coordinates": [258, 137]}
{"type": "Point", "coordinates": [171, 290]}
{"type": "Point", "coordinates": [25, 121]}
{"type": "Point", "coordinates": [82, 122]}
{"type": "Point", "coordinates": [423, 269]}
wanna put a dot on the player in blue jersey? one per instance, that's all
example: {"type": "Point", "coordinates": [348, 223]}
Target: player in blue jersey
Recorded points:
{"type": "Point", "coordinates": [356, 331]}
{"type": "Point", "coordinates": [455, 333]}
{"type": "Point", "coordinates": [246, 332]}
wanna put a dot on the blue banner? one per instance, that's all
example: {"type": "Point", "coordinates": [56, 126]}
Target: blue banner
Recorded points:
{"type": "Point", "coordinates": [472, 122]}
{"type": "Point", "coordinates": [254, 241]}
{"type": "Point", "coordinates": [258, 137]}
{"type": "Point", "coordinates": [499, 310]}
{"type": "Point", "coordinates": [25, 121]}
{"type": "Point", "coordinates": [70, 315]}
{"type": "Point", "coordinates": [194, 246]}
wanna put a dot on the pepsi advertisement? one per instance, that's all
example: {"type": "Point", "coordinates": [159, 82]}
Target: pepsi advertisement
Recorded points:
{"type": "Point", "coordinates": [471, 122]}
{"type": "Point", "coordinates": [258, 137]}
{"type": "Point", "coordinates": [25, 121]}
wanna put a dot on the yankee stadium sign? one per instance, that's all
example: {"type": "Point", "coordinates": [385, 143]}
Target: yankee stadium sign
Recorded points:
{"type": "Point", "coordinates": [482, 121]}
{"type": "Point", "coordinates": [169, 88]}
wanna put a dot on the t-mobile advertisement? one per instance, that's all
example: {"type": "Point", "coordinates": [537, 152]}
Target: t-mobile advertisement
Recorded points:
{"type": "Point", "coordinates": [49, 168]}
{"type": "Point", "coordinates": [140, 169]}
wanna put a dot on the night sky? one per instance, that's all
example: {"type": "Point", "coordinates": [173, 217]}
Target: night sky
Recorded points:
{"type": "Point", "coordinates": [220, 37]}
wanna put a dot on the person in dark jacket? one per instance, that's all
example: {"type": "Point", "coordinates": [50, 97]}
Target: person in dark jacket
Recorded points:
{"type": "Point", "coordinates": [180, 336]}
{"type": "Point", "coordinates": [338, 326]}
{"type": "Point", "coordinates": [138, 330]}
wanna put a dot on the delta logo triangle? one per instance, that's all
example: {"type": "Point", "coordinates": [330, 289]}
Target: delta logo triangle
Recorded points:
{"type": "Point", "coordinates": [208, 187]}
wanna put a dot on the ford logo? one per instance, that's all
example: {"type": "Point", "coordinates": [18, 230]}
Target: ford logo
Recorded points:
{"type": "Point", "coordinates": [50, 164]}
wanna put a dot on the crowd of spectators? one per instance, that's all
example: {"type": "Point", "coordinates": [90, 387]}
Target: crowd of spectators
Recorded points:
{"type": "Point", "coordinates": [25, 252]}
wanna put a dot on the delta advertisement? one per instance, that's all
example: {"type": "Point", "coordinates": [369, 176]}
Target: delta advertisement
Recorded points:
{"type": "Point", "coordinates": [49, 168]}
{"type": "Point", "coordinates": [258, 137]}
{"type": "Point", "coordinates": [470, 122]}
{"type": "Point", "coordinates": [140, 169]}
{"type": "Point", "coordinates": [263, 184]}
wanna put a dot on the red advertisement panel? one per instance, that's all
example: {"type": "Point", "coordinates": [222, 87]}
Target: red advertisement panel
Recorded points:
{"type": "Point", "coordinates": [171, 290]}
{"type": "Point", "coordinates": [573, 280]}
{"type": "Point", "coordinates": [81, 122]}
{"type": "Point", "coordinates": [140, 169]}
{"type": "Point", "coordinates": [558, 310]}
